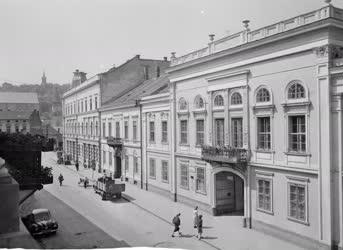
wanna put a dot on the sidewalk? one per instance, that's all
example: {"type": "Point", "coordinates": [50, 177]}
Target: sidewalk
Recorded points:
{"type": "Point", "coordinates": [220, 232]}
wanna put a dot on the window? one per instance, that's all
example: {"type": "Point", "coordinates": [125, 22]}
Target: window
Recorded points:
{"type": "Point", "coordinates": [126, 130]}
{"type": "Point", "coordinates": [96, 128]}
{"type": "Point", "coordinates": [199, 102]}
{"type": "Point", "coordinates": [24, 126]}
{"type": "Point", "coordinates": [86, 105]}
{"type": "Point", "coordinates": [218, 101]}
{"type": "Point", "coordinates": [184, 132]}
{"type": "Point", "coordinates": [263, 133]}
{"type": "Point", "coordinates": [263, 95]}
{"type": "Point", "coordinates": [104, 157]}
{"type": "Point", "coordinates": [184, 176]}
{"type": "Point", "coordinates": [297, 202]}
{"type": "Point", "coordinates": [183, 104]}
{"type": "Point", "coordinates": [152, 169]}
{"type": "Point", "coordinates": [164, 131]}
{"type": "Point", "coordinates": [81, 106]}
{"type": "Point", "coordinates": [264, 198]}
{"type": "Point", "coordinates": [199, 132]}
{"type": "Point", "coordinates": [103, 130]}
{"type": "Point", "coordinates": [152, 131]}
{"type": "Point", "coordinates": [236, 99]}
{"type": "Point", "coordinates": [110, 158]}
{"type": "Point", "coordinates": [219, 132]}
{"type": "Point", "coordinates": [135, 164]}
{"type": "Point", "coordinates": [158, 71]}
{"type": "Point", "coordinates": [146, 72]}
{"type": "Point", "coordinates": [96, 102]}
{"type": "Point", "coordinates": [90, 103]}
{"type": "Point", "coordinates": [117, 129]}
{"type": "Point", "coordinates": [297, 133]}
{"type": "Point", "coordinates": [200, 181]}
{"type": "Point", "coordinates": [16, 127]}
{"type": "Point", "coordinates": [91, 128]}
{"type": "Point", "coordinates": [134, 130]}
{"type": "Point", "coordinates": [109, 128]}
{"type": "Point", "coordinates": [126, 163]}
{"type": "Point", "coordinates": [237, 132]}
{"type": "Point", "coordinates": [296, 91]}
{"type": "Point", "coordinates": [165, 171]}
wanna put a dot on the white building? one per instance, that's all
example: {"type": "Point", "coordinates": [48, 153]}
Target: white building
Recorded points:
{"type": "Point", "coordinates": [258, 127]}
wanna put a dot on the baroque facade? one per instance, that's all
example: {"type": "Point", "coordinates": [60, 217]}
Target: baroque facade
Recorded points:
{"type": "Point", "coordinates": [250, 125]}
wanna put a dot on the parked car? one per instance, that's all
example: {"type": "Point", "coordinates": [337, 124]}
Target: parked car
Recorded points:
{"type": "Point", "coordinates": [40, 222]}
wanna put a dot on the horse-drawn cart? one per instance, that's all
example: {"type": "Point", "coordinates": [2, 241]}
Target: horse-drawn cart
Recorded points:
{"type": "Point", "coordinates": [107, 188]}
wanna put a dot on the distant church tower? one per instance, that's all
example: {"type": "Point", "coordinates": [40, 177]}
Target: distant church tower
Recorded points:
{"type": "Point", "coordinates": [43, 79]}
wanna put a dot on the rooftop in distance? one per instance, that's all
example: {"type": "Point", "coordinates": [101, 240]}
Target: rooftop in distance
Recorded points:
{"type": "Point", "coordinates": [19, 97]}
{"type": "Point", "coordinates": [247, 35]}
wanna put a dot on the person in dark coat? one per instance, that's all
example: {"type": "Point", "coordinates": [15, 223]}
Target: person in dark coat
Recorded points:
{"type": "Point", "coordinates": [85, 183]}
{"type": "Point", "coordinates": [199, 226]}
{"type": "Point", "coordinates": [176, 223]}
{"type": "Point", "coordinates": [77, 166]}
{"type": "Point", "coordinates": [60, 178]}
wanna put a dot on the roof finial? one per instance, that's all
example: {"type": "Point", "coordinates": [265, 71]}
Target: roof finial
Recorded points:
{"type": "Point", "coordinates": [211, 37]}
{"type": "Point", "coordinates": [246, 24]}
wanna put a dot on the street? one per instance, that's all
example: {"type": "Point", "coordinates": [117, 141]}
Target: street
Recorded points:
{"type": "Point", "coordinates": [79, 210]}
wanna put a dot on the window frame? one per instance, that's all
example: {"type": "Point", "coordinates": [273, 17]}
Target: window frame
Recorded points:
{"type": "Point", "coordinates": [182, 104]}
{"type": "Point", "coordinates": [264, 179]}
{"type": "Point", "coordinates": [215, 100]}
{"type": "Point", "coordinates": [233, 98]}
{"type": "Point", "coordinates": [134, 130]}
{"type": "Point", "coordinates": [197, 190]}
{"type": "Point", "coordinates": [126, 129]}
{"type": "Point", "coordinates": [299, 182]}
{"type": "Point", "coordinates": [258, 118]}
{"type": "Point", "coordinates": [164, 131]}
{"type": "Point", "coordinates": [152, 137]}
{"type": "Point", "coordinates": [163, 171]}
{"type": "Point", "coordinates": [152, 166]}
{"type": "Point", "coordinates": [198, 133]}
{"type": "Point", "coordinates": [289, 134]}
{"type": "Point", "coordinates": [236, 137]}
{"type": "Point", "coordinates": [184, 133]}
{"type": "Point", "coordinates": [182, 165]}
{"type": "Point", "coordinates": [264, 97]}
{"type": "Point", "coordinates": [135, 165]}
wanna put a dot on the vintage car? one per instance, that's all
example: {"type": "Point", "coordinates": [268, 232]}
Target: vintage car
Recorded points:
{"type": "Point", "coordinates": [39, 222]}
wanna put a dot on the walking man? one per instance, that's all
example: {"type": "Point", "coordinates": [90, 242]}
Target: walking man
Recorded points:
{"type": "Point", "coordinates": [176, 223]}
{"type": "Point", "coordinates": [199, 226]}
{"type": "Point", "coordinates": [60, 178]}
{"type": "Point", "coordinates": [195, 217]}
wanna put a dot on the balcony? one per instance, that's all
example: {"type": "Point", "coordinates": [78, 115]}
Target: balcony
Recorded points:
{"type": "Point", "coordinates": [114, 142]}
{"type": "Point", "coordinates": [224, 154]}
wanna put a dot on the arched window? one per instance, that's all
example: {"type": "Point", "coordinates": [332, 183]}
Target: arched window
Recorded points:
{"type": "Point", "coordinates": [199, 102]}
{"type": "Point", "coordinates": [263, 95]}
{"type": "Point", "coordinates": [218, 101]}
{"type": "Point", "coordinates": [236, 98]}
{"type": "Point", "coordinates": [296, 91]}
{"type": "Point", "coordinates": [182, 104]}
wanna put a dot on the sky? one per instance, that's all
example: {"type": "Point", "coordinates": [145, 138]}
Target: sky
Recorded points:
{"type": "Point", "coordinates": [59, 36]}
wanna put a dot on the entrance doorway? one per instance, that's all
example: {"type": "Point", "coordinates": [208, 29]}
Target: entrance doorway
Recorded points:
{"type": "Point", "coordinates": [117, 170]}
{"type": "Point", "coordinates": [229, 194]}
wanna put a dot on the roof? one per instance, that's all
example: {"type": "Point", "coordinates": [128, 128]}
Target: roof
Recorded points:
{"type": "Point", "coordinates": [148, 87]}
{"type": "Point", "coordinates": [15, 115]}
{"type": "Point", "coordinates": [18, 97]}
{"type": "Point", "coordinates": [40, 210]}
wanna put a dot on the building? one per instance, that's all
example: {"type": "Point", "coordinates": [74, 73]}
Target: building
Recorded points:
{"type": "Point", "coordinates": [258, 127]}
{"type": "Point", "coordinates": [124, 131]}
{"type": "Point", "coordinates": [19, 112]}
{"type": "Point", "coordinates": [82, 102]}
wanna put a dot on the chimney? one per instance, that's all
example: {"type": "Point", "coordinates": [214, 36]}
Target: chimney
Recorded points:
{"type": "Point", "coordinates": [138, 56]}
{"type": "Point", "coordinates": [78, 78]}
{"type": "Point", "coordinates": [211, 37]}
{"type": "Point", "coordinates": [246, 24]}
{"type": "Point", "coordinates": [173, 55]}
{"type": "Point", "coordinates": [165, 59]}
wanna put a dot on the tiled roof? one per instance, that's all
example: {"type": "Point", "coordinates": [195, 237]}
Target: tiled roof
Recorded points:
{"type": "Point", "coordinates": [14, 115]}
{"type": "Point", "coordinates": [148, 87]}
{"type": "Point", "coordinates": [18, 97]}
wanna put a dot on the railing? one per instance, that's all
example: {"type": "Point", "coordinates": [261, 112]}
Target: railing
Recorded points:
{"type": "Point", "coordinates": [114, 142]}
{"type": "Point", "coordinates": [247, 36]}
{"type": "Point", "coordinates": [224, 154]}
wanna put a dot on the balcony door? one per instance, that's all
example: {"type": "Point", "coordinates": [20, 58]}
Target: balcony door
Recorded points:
{"type": "Point", "coordinates": [219, 132]}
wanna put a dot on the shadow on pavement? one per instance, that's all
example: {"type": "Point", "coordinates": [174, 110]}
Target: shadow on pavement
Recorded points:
{"type": "Point", "coordinates": [209, 237]}
{"type": "Point", "coordinates": [128, 197]}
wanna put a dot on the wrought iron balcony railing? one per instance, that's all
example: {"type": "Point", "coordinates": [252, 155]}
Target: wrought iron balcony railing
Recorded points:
{"type": "Point", "coordinates": [224, 154]}
{"type": "Point", "coordinates": [114, 142]}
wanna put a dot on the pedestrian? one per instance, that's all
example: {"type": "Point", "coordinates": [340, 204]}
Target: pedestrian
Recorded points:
{"type": "Point", "coordinates": [85, 183]}
{"type": "Point", "coordinates": [195, 217]}
{"type": "Point", "coordinates": [77, 166]}
{"type": "Point", "coordinates": [61, 179]}
{"type": "Point", "coordinates": [176, 223]}
{"type": "Point", "coordinates": [199, 226]}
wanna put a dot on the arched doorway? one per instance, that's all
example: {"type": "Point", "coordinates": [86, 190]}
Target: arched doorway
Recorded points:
{"type": "Point", "coordinates": [228, 193]}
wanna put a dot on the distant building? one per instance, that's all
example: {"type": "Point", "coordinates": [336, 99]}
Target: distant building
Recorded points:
{"type": "Point", "coordinates": [19, 113]}
{"type": "Point", "coordinates": [44, 82]}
